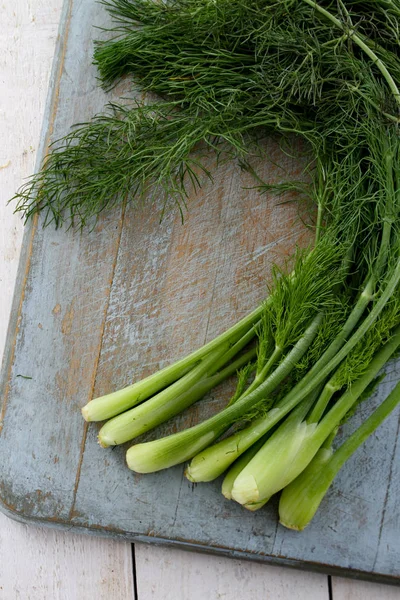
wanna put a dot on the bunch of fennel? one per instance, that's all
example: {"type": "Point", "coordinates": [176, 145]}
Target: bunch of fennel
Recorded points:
{"type": "Point", "coordinates": [226, 73]}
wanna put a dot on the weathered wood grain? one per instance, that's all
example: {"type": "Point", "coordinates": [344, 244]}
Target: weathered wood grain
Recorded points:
{"type": "Point", "coordinates": [45, 564]}
{"type": "Point", "coordinates": [65, 286]}
{"type": "Point", "coordinates": [178, 575]}
{"type": "Point", "coordinates": [168, 276]}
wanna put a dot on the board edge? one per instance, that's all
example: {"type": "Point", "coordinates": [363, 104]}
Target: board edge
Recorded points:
{"type": "Point", "coordinates": [264, 559]}
{"type": "Point", "coordinates": [31, 226]}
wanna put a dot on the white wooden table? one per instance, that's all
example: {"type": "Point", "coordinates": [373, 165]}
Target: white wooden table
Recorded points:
{"type": "Point", "coordinates": [44, 564]}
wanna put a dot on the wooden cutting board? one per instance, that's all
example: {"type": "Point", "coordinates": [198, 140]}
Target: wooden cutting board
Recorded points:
{"type": "Point", "coordinates": [94, 311]}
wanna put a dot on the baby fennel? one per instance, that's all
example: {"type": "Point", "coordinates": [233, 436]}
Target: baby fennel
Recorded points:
{"type": "Point", "coordinates": [301, 498]}
{"type": "Point", "coordinates": [292, 447]}
{"type": "Point", "coordinates": [228, 74]}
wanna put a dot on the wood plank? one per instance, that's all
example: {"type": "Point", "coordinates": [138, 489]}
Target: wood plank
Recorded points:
{"type": "Point", "coordinates": [63, 309]}
{"type": "Point", "coordinates": [44, 564]}
{"type": "Point", "coordinates": [348, 589]}
{"type": "Point", "coordinates": [39, 564]}
{"type": "Point", "coordinates": [173, 574]}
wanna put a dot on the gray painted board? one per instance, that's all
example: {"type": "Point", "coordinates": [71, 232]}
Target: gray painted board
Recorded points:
{"type": "Point", "coordinates": [94, 311]}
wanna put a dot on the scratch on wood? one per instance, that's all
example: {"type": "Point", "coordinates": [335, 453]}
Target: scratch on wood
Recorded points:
{"type": "Point", "coordinates": [68, 320]}
{"type": "Point", "coordinates": [58, 78]}
{"type": "Point", "coordinates": [54, 104]}
{"type": "Point", "coordinates": [96, 364]}
{"type": "Point", "coordinates": [211, 305]}
{"type": "Point", "coordinates": [386, 496]}
{"type": "Point", "coordinates": [26, 273]}
{"type": "Point", "coordinates": [177, 500]}
{"type": "Point", "coordinates": [217, 270]}
{"type": "Point", "coordinates": [260, 251]}
{"type": "Point", "coordinates": [274, 540]}
{"type": "Point", "coordinates": [78, 470]}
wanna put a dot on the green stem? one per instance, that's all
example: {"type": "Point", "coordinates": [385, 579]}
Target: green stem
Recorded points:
{"type": "Point", "coordinates": [329, 440]}
{"type": "Point", "coordinates": [271, 467]}
{"type": "Point", "coordinates": [238, 466]}
{"type": "Point", "coordinates": [325, 360]}
{"type": "Point", "coordinates": [178, 396]}
{"type": "Point", "coordinates": [232, 352]}
{"type": "Point", "coordinates": [389, 215]}
{"type": "Point", "coordinates": [361, 44]}
{"type": "Point", "coordinates": [320, 374]}
{"type": "Point", "coordinates": [321, 195]}
{"type": "Point", "coordinates": [366, 429]}
{"type": "Point", "coordinates": [179, 447]}
{"type": "Point", "coordinates": [262, 375]}
{"type": "Point", "coordinates": [107, 406]}
{"type": "Point", "coordinates": [322, 402]}
{"type": "Point", "coordinates": [217, 458]}
{"type": "Point", "coordinates": [347, 400]}
{"type": "Point", "coordinates": [388, 116]}
{"type": "Point", "coordinates": [293, 446]}
{"type": "Point", "coordinates": [300, 500]}
{"type": "Point", "coordinates": [318, 225]}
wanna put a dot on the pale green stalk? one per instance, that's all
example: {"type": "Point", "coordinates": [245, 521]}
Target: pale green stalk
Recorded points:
{"type": "Point", "coordinates": [216, 459]}
{"type": "Point", "coordinates": [238, 466]}
{"type": "Point", "coordinates": [177, 448]}
{"type": "Point", "coordinates": [292, 447]}
{"type": "Point", "coordinates": [245, 458]}
{"type": "Point", "coordinates": [272, 465]}
{"type": "Point", "coordinates": [318, 410]}
{"type": "Point", "coordinates": [263, 373]}
{"type": "Point", "coordinates": [171, 401]}
{"type": "Point", "coordinates": [300, 500]}
{"type": "Point", "coordinates": [107, 406]}
{"type": "Point", "coordinates": [254, 506]}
